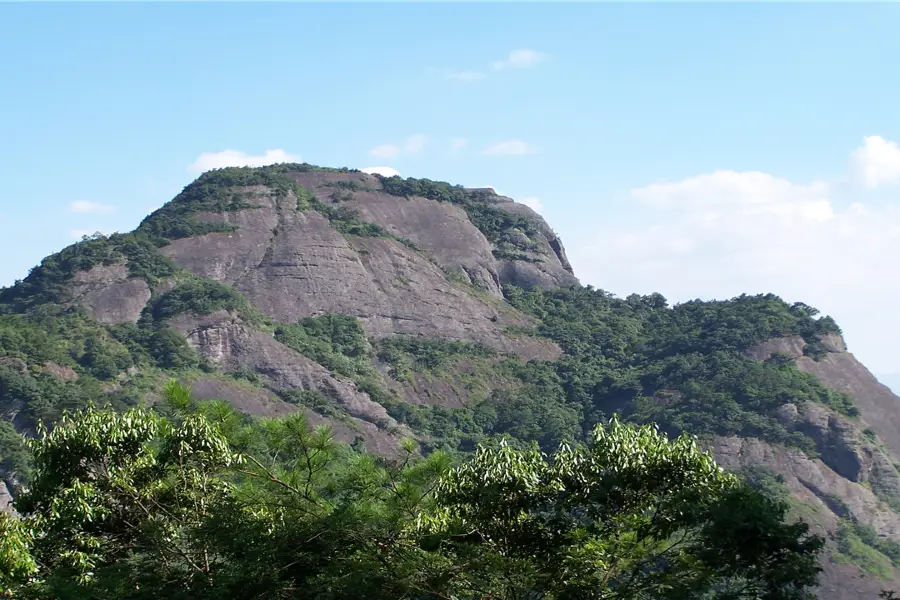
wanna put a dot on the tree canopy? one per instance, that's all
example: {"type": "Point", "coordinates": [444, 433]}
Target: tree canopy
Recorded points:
{"type": "Point", "coordinates": [211, 504]}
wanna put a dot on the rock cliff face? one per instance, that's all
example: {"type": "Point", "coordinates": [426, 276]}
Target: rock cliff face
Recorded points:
{"type": "Point", "coordinates": [293, 264]}
{"type": "Point", "coordinates": [854, 464]}
{"type": "Point", "coordinates": [416, 262]}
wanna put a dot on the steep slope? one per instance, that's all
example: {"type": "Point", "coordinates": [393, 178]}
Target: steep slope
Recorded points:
{"type": "Point", "coordinates": [388, 308]}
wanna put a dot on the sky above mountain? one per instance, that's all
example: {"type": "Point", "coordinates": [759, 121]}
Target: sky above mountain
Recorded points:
{"type": "Point", "coordinates": [698, 150]}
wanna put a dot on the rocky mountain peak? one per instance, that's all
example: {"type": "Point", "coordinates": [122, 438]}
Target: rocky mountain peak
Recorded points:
{"type": "Point", "coordinates": [389, 307]}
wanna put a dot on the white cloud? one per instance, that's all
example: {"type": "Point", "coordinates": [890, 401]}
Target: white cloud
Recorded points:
{"type": "Point", "coordinates": [236, 158]}
{"type": "Point", "coordinates": [86, 206]}
{"type": "Point", "coordinates": [465, 76]}
{"type": "Point", "coordinates": [533, 203]}
{"type": "Point", "coordinates": [726, 233]}
{"type": "Point", "coordinates": [510, 148]}
{"type": "Point", "coordinates": [457, 145]}
{"type": "Point", "coordinates": [413, 145]}
{"type": "Point", "coordinates": [877, 161]}
{"type": "Point", "coordinates": [383, 171]}
{"type": "Point", "coordinates": [519, 59]}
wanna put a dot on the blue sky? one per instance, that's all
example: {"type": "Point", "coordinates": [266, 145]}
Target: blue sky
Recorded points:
{"type": "Point", "coordinates": [699, 150]}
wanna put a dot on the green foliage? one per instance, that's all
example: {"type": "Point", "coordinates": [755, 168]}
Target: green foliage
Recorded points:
{"type": "Point", "coordinates": [138, 482]}
{"type": "Point", "coordinates": [631, 515]}
{"type": "Point", "coordinates": [48, 282]}
{"type": "Point", "coordinates": [210, 504]}
{"type": "Point", "coordinates": [335, 341]}
{"type": "Point", "coordinates": [351, 185]}
{"type": "Point", "coordinates": [858, 544]}
{"type": "Point", "coordinates": [404, 355]}
{"type": "Point", "coordinates": [305, 199]}
{"type": "Point", "coordinates": [200, 296]}
{"type": "Point", "coordinates": [14, 455]}
{"type": "Point", "coordinates": [853, 534]}
{"type": "Point", "coordinates": [682, 367]}
{"type": "Point", "coordinates": [338, 343]}
{"type": "Point", "coordinates": [510, 231]}
{"type": "Point", "coordinates": [211, 192]}
{"type": "Point", "coordinates": [347, 221]}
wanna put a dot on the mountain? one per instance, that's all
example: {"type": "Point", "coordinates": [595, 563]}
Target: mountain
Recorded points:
{"type": "Point", "coordinates": [389, 308]}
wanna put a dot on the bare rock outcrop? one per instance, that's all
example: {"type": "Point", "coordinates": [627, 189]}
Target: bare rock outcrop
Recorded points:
{"type": "Point", "coordinates": [294, 264]}
{"type": "Point", "coordinates": [16, 364]}
{"type": "Point", "coordinates": [461, 245]}
{"type": "Point", "coordinates": [263, 403]}
{"type": "Point", "coordinates": [840, 371]}
{"type": "Point", "coordinates": [109, 294]}
{"type": "Point", "coordinates": [223, 340]}
{"type": "Point", "coordinates": [811, 481]}
{"type": "Point", "coordinates": [553, 270]}
{"type": "Point", "coordinates": [60, 372]}
{"type": "Point", "coordinates": [6, 499]}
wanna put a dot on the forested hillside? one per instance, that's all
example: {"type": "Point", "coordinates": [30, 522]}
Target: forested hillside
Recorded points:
{"type": "Point", "coordinates": [394, 310]}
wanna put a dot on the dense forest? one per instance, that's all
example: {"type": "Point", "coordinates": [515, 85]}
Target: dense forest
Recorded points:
{"type": "Point", "coordinates": [208, 504]}
{"type": "Point", "coordinates": [579, 477]}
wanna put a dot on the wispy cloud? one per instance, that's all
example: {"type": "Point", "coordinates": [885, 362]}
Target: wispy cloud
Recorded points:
{"type": "Point", "coordinates": [236, 158]}
{"type": "Point", "coordinates": [519, 59]}
{"type": "Point", "coordinates": [413, 145]}
{"type": "Point", "coordinates": [88, 207]}
{"type": "Point", "coordinates": [511, 148]}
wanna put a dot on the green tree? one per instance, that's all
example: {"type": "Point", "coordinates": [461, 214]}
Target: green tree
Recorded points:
{"type": "Point", "coordinates": [118, 504]}
{"type": "Point", "coordinates": [632, 515]}
{"type": "Point", "coordinates": [211, 504]}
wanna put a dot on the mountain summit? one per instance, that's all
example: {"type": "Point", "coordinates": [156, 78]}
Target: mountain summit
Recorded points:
{"type": "Point", "coordinates": [389, 307]}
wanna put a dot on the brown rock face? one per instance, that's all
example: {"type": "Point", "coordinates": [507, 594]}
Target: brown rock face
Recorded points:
{"type": "Point", "coordinates": [60, 372]}
{"type": "Point", "coordinates": [294, 264]}
{"type": "Point", "coordinates": [16, 364]}
{"type": "Point", "coordinates": [827, 496]}
{"type": "Point", "coordinates": [840, 371]}
{"type": "Point", "coordinates": [262, 403]}
{"type": "Point", "coordinates": [850, 467]}
{"type": "Point", "coordinates": [110, 295]}
{"type": "Point", "coordinates": [224, 341]}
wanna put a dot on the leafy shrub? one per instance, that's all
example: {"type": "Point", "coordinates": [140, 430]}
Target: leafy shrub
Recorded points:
{"type": "Point", "coordinates": [47, 283]}
{"type": "Point", "coordinates": [200, 296]}
{"type": "Point", "coordinates": [853, 549]}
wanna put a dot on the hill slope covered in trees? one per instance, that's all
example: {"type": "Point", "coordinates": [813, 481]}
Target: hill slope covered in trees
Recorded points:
{"type": "Point", "coordinates": [390, 308]}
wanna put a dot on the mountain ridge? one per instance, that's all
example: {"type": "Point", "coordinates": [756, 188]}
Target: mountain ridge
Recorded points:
{"type": "Point", "coordinates": [387, 307]}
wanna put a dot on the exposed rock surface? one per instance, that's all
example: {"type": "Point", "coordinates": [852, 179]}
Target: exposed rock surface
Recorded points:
{"type": "Point", "coordinates": [840, 371]}
{"type": "Point", "coordinates": [293, 264]}
{"type": "Point", "coordinates": [60, 372]}
{"type": "Point", "coordinates": [827, 496]}
{"type": "Point", "coordinates": [851, 467]}
{"type": "Point", "coordinates": [110, 295]}
{"type": "Point", "coordinates": [223, 340]}
{"type": "Point", "coordinates": [16, 364]}
{"type": "Point", "coordinates": [262, 403]}
{"type": "Point", "coordinates": [6, 499]}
